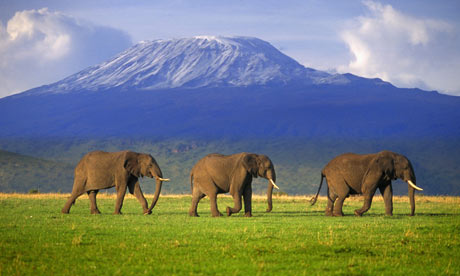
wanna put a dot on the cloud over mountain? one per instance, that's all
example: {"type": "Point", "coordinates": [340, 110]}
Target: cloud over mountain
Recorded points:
{"type": "Point", "coordinates": [42, 46]}
{"type": "Point", "coordinates": [403, 49]}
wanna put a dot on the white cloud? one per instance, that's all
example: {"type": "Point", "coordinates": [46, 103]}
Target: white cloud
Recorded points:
{"type": "Point", "coordinates": [405, 50]}
{"type": "Point", "coordinates": [40, 46]}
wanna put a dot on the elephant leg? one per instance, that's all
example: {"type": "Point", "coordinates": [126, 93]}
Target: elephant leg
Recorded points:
{"type": "Point", "coordinates": [197, 195]}
{"type": "Point", "coordinates": [236, 204]}
{"type": "Point", "coordinates": [247, 197]}
{"type": "Point", "coordinates": [338, 191]}
{"type": "Point", "coordinates": [70, 201]}
{"type": "Point", "coordinates": [92, 199]}
{"type": "Point", "coordinates": [338, 212]}
{"type": "Point", "coordinates": [121, 191]}
{"type": "Point", "coordinates": [387, 193]}
{"type": "Point", "coordinates": [136, 190]}
{"type": "Point", "coordinates": [209, 188]}
{"type": "Point", "coordinates": [77, 190]}
{"type": "Point", "coordinates": [214, 210]}
{"type": "Point", "coordinates": [367, 203]}
{"type": "Point", "coordinates": [330, 202]}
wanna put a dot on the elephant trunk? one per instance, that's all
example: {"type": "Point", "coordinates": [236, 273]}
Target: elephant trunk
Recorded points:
{"type": "Point", "coordinates": [271, 181]}
{"type": "Point", "coordinates": [159, 183]}
{"type": "Point", "coordinates": [412, 200]}
{"type": "Point", "coordinates": [269, 197]}
{"type": "Point", "coordinates": [157, 174]}
{"type": "Point", "coordinates": [409, 177]}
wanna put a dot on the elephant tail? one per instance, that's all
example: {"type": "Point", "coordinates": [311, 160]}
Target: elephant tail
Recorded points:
{"type": "Point", "coordinates": [313, 199]}
{"type": "Point", "coordinates": [191, 182]}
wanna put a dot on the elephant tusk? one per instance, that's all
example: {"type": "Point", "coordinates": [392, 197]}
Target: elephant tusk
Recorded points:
{"type": "Point", "coordinates": [164, 179]}
{"type": "Point", "coordinates": [273, 183]}
{"type": "Point", "coordinates": [414, 186]}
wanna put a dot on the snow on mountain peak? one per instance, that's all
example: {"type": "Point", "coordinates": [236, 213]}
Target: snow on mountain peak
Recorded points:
{"type": "Point", "coordinates": [200, 61]}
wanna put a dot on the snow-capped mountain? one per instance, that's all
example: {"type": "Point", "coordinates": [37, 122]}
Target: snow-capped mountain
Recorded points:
{"type": "Point", "coordinates": [236, 87]}
{"type": "Point", "coordinates": [202, 61]}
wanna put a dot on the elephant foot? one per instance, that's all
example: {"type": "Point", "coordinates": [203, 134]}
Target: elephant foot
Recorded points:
{"type": "Point", "coordinates": [358, 213]}
{"type": "Point", "coordinates": [337, 214]}
{"type": "Point", "coordinates": [193, 213]}
{"type": "Point", "coordinates": [218, 214]}
{"type": "Point", "coordinates": [147, 212]}
{"type": "Point", "coordinates": [248, 214]}
{"type": "Point", "coordinates": [64, 211]}
{"type": "Point", "coordinates": [229, 212]}
{"type": "Point", "coordinates": [389, 214]}
{"type": "Point", "coordinates": [95, 212]}
{"type": "Point", "coordinates": [268, 210]}
{"type": "Point", "coordinates": [328, 213]}
{"type": "Point", "coordinates": [118, 213]}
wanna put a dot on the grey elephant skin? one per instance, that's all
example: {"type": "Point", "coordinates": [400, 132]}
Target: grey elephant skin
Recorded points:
{"type": "Point", "coordinates": [351, 173]}
{"type": "Point", "coordinates": [217, 173]}
{"type": "Point", "coordinates": [102, 170]}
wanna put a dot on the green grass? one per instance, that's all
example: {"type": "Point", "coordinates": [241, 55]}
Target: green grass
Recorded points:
{"type": "Point", "coordinates": [295, 239]}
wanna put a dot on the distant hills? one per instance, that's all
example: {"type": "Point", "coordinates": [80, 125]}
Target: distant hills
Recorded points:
{"type": "Point", "coordinates": [236, 92]}
{"type": "Point", "coordinates": [23, 174]}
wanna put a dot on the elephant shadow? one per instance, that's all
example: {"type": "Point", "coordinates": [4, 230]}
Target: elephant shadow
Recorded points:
{"type": "Point", "coordinates": [395, 216]}
{"type": "Point", "coordinates": [436, 215]}
{"type": "Point", "coordinates": [283, 213]}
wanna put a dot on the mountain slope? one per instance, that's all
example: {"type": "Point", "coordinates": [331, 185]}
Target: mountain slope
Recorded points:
{"type": "Point", "coordinates": [325, 111]}
{"type": "Point", "coordinates": [20, 173]}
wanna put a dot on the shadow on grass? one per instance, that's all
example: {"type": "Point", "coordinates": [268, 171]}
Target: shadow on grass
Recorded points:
{"type": "Point", "coordinates": [436, 215]}
{"type": "Point", "coordinates": [397, 216]}
{"type": "Point", "coordinates": [178, 213]}
{"type": "Point", "coordinates": [316, 213]}
{"type": "Point", "coordinates": [284, 213]}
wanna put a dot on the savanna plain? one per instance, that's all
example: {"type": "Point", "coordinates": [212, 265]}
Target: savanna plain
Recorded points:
{"type": "Point", "coordinates": [294, 239]}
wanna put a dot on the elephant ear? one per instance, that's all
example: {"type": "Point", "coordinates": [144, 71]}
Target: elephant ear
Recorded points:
{"type": "Point", "coordinates": [250, 164]}
{"type": "Point", "coordinates": [131, 164]}
{"type": "Point", "coordinates": [386, 162]}
{"type": "Point", "coordinates": [381, 167]}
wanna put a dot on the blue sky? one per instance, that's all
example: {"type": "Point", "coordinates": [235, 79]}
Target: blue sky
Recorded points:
{"type": "Point", "coordinates": [413, 43]}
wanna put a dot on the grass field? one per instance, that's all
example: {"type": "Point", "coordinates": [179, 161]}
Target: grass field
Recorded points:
{"type": "Point", "coordinates": [294, 239]}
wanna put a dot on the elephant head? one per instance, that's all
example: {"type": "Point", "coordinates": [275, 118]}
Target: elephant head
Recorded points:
{"type": "Point", "coordinates": [140, 165]}
{"type": "Point", "coordinates": [260, 165]}
{"type": "Point", "coordinates": [387, 166]}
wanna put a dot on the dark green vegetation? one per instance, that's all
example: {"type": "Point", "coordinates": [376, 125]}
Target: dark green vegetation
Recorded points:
{"type": "Point", "coordinates": [295, 239]}
{"type": "Point", "coordinates": [298, 161]}
{"type": "Point", "coordinates": [33, 173]}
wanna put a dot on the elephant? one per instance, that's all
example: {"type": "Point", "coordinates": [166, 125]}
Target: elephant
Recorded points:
{"type": "Point", "coordinates": [102, 170]}
{"type": "Point", "coordinates": [217, 173]}
{"type": "Point", "coordinates": [352, 173]}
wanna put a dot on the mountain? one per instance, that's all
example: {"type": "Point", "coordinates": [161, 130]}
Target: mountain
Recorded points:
{"type": "Point", "coordinates": [221, 87]}
{"type": "Point", "coordinates": [233, 94]}
{"type": "Point", "coordinates": [196, 62]}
